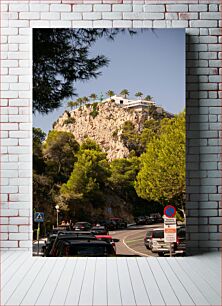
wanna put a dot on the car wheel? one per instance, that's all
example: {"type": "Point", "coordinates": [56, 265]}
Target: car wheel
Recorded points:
{"type": "Point", "coordinates": [161, 254]}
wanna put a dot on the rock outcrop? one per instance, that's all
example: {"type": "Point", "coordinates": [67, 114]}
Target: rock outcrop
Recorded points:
{"type": "Point", "coordinates": [103, 123]}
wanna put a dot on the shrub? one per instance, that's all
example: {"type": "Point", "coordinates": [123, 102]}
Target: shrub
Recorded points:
{"type": "Point", "coordinates": [95, 111]}
{"type": "Point", "coordinates": [69, 120]}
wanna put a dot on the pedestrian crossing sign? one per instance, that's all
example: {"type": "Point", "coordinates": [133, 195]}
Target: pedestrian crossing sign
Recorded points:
{"type": "Point", "coordinates": [39, 217]}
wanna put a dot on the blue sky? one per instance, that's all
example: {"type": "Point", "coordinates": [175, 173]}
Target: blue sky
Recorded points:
{"type": "Point", "coordinates": [152, 62]}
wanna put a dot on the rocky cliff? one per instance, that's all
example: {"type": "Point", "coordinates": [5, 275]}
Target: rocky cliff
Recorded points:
{"type": "Point", "coordinates": [102, 122]}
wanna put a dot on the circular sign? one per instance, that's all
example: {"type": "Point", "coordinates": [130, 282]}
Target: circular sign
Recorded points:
{"type": "Point", "coordinates": [170, 211]}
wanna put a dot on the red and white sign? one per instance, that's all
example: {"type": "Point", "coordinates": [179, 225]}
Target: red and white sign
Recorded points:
{"type": "Point", "coordinates": [170, 230]}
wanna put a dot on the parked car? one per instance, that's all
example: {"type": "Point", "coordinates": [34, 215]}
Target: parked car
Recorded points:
{"type": "Point", "coordinates": [141, 220]}
{"type": "Point", "coordinates": [158, 245]}
{"type": "Point", "coordinates": [109, 225]}
{"type": "Point", "coordinates": [66, 236]}
{"type": "Point", "coordinates": [180, 245]}
{"type": "Point", "coordinates": [75, 248]}
{"type": "Point", "coordinates": [99, 230]}
{"type": "Point", "coordinates": [48, 244]}
{"type": "Point", "coordinates": [120, 222]}
{"type": "Point", "coordinates": [157, 217]}
{"type": "Point", "coordinates": [82, 226]}
{"type": "Point", "coordinates": [150, 220]}
{"type": "Point", "coordinates": [147, 239]}
{"type": "Point", "coordinates": [108, 239]}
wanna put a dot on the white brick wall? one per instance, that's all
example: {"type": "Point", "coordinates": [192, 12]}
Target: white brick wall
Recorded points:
{"type": "Point", "coordinates": [201, 20]}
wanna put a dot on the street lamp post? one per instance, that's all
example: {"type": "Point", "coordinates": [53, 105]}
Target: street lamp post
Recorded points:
{"type": "Point", "coordinates": [57, 210]}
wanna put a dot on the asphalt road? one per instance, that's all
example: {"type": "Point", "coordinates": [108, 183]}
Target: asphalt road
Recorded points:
{"type": "Point", "coordinates": [132, 240]}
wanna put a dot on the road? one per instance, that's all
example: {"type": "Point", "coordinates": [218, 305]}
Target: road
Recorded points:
{"type": "Point", "coordinates": [132, 240]}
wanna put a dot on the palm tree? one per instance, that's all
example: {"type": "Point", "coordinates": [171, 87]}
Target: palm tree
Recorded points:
{"type": "Point", "coordinates": [148, 98]}
{"type": "Point", "coordinates": [70, 104]}
{"type": "Point", "coordinates": [110, 93]}
{"type": "Point", "coordinates": [93, 96]}
{"type": "Point", "coordinates": [79, 101]}
{"type": "Point", "coordinates": [139, 94]}
{"type": "Point", "coordinates": [124, 93]}
{"type": "Point", "coordinates": [85, 100]}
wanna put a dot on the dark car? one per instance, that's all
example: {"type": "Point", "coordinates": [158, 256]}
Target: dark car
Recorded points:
{"type": "Point", "coordinates": [82, 226]}
{"type": "Point", "coordinates": [109, 225]}
{"type": "Point", "coordinates": [66, 236]}
{"type": "Point", "coordinates": [120, 222]}
{"type": "Point", "coordinates": [99, 230]}
{"type": "Point", "coordinates": [141, 220]}
{"type": "Point", "coordinates": [89, 248]}
{"type": "Point", "coordinates": [48, 244]}
{"type": "Point", "coordinates": [180, 245]}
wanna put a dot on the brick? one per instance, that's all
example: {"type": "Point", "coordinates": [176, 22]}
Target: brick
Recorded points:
{"type": "Point", "coordinates": [215, 63]}
{"type": "Point", "coordinates": [51, 16]}
{"type": "Point", "coordinates": [180, 23]}
{"type": "Point", "coordinates": [197, 7]}
{"type": "Point", "coordinates": [216, 16]}
{"type": "Point", "coordinates": [60, 8]}
{"type": "Point", "coordinates": [204, 31]}
{"type": "Point", "coordinates": [9, 126]}
{"type": "Point", "coordinates": [18, 7]}
{"type": "Point", "coordinates": [162, 24]}
{"type": "Point", "coordinates": [39, 23]}
{"type": "Point", "coordinates": [187, 16]}
{"type": "Point", "coordinates": [82, 24]}
{"type": "Point", "coordinates": [24, 212]}
{"type": "Point", "coordinates": [203, 23]}
{"type": "Point", "coordinates": [82, 8]}
{"type": "Point", "coordinates": [137, 8]}
{"type": "Point", "coordinates": [208, 39]}
{"type": "Point", "coordinates": [60, 24]}
{"type": "Point", "coordinates": [24, 229]}
{"type": "Point", "coordinates": [9, 244]}
{"type": "Point", "coordinates": [29, 15]}
{"type": "Point", "coordinates": [154, 8]}
{"type": "Point", "coordinates": [25, 244]}
{"type": "Point", "coordinates": [133, 15]}
{"type": "Point", "coordinates": [121, 7]}
{"type": "Point", "coordinates": [18, 23]}
{"type": "Point", "coordinates": [171, 16]}
{"type": "Point", "coordinates": [92, 16]}
{"type": "Point", "coordinates": [215, 220]}
{"type": "Point", "coordinates": [213, 7]}
{"type": "Point", "coordinates": [102, 7]}
{"type": "Point", "coordinates": [216, 31]}
{"type": "Point", "coordinates": [71, 16]}
{"type": "Point", "coordinates": [39, 7]}
{"type": "Point", "coordinates": [9, 212]}
{"type": "Point", "coordinates": [102, 23]}
{"type": "Point", "coordinates": [122, 23]}
{"type": "Point", "coordinates": [112, 15]}
{"type": "Point", "coordinates": [177, 8]}
{"type": "Point", "coordinates": [18, 236]}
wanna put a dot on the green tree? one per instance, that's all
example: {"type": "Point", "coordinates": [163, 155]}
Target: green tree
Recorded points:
{"type": "Point", "coordinates": [124, 93]}
{"type": "Point", "coordinates": [162, 174]}
{"type": "Point", "coordinates": [88, 178]}
{"type": "Point", "coordinates": [38, 138]}
{"type": "Point", "coordinates": [110, 93]}
{"type": "Point", "coordinates": [148, 98]}
{"type": "Point", "coordinates": [71, 104]}
{"type": "Point", "coordinates": [85, 100]}
{"type": "Point", "coordinates": [93, 96]}
{"type": "Point", "coordinates": [79, 102]}
{"type": "Point", "coordinates": [123, 175]}
{"type": "Point", "coordinates": [139, 94]}
{"type": "Point", "coordinates": [59, 151]}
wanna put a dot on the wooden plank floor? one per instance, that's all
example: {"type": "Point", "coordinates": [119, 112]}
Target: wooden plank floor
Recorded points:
{"type": "Point", "coordinates": [27, 280]}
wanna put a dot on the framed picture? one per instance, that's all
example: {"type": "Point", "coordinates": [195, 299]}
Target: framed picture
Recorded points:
{"type": "Point", "coordinates": [108, 142]}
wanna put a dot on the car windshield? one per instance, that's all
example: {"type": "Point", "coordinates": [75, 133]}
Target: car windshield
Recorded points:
{"type": "Point", "coordinates": [158, 234]}
{"type": "Point", "coordinates": [85, 250]}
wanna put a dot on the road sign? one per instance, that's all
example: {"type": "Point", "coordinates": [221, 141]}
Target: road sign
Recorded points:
{"type": "Point", "coordinates": [39, 217]}
{"type": "Point", "coordinates": [170, 211]}
{"type": "Point", "coordinates": [170, 230]}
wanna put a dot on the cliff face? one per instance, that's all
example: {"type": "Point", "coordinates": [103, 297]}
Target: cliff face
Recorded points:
{"type": "Point", "coordinates": [103, 123]}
